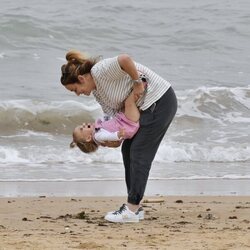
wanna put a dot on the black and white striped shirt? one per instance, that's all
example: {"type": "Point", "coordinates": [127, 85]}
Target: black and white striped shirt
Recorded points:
{"type": "Point", "coordinates": [113, 86]}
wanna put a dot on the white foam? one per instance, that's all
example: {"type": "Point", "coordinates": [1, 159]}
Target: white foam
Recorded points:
{"type": "Point", "coordinates": [240, 94]}
{"type": "Point", "coordinates": [29, 133]}
{"type": "Point", "coordinates": [193, 152]}
{"type": "Point", "coordinates": [11, 155]}
{"type": "Point", "coordinates": [167, 153]}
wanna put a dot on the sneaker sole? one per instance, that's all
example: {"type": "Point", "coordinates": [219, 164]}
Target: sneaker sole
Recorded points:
{"type": "Point", "coordinates": [141, 215]}
{"type": "Point", "coordinates": [123, 221]}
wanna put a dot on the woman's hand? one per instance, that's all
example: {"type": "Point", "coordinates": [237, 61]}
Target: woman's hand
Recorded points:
{"type": "Point", "coordinates": [121, 133]}
{"type": "Point", "coordinates": [128, 65]}
{"type": "Point", "coordinates": [138, 90]}
{"type": "Point", "coordinates": [111, 144]}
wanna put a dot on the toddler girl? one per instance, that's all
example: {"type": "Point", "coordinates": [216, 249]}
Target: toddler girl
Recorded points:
{"type": "Point", "coordinates": [122, 126]}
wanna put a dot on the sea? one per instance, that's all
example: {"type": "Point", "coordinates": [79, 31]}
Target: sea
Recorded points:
{"type": "Point", "coordinates": [201, 47]}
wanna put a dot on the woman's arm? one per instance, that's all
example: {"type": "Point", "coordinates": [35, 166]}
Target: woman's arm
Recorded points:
{"type": "Point", "coordinates": [111, 144]}
{"type": "Point", "coordinates": [127, 64]}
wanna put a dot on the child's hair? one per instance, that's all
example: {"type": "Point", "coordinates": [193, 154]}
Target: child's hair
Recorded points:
{"type": "Point", "coordinates": [86, 147]}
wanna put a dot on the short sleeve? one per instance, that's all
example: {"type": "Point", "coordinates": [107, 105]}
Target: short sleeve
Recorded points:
{"type": "Point", "coordinates": [108, 68]}
{"type": "Point", "coordinates": [104, 135]}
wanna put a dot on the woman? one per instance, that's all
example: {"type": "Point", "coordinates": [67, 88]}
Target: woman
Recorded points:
{"type": "Point", "coordinates": [111, 81]}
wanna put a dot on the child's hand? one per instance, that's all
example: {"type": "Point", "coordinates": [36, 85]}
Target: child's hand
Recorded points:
{"type": "Point", "coordinates": [121, 133]}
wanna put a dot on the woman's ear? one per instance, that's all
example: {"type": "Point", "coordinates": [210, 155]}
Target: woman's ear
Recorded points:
{"type": "Point", "coordinates": [81, 78]}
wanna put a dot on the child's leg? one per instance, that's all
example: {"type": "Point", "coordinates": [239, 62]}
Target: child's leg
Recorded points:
{"type": "Point", "coordinates": [131, 111]}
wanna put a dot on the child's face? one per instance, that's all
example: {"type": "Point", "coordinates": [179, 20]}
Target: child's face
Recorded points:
{"type": "Point", "coordinates": [84, 132]}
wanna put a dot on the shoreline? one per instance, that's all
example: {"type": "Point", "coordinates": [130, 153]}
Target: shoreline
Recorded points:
{"type": "Point", "coordinates": [176, 223]}
{"type": "Point", "coordinates": [208, 187]}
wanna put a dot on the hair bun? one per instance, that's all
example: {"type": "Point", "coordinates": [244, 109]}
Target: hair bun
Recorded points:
{"type": "Point", "coordinates": [75, 56]}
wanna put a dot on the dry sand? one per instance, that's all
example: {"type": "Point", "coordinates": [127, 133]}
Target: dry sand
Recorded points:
{"type": "Point", "coordinates": [198, 222]}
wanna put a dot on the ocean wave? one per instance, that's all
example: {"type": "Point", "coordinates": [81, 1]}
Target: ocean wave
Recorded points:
{"type": "Point", "coordinates": [206, 152]}
{"type": "Point", "coordinates": [216, 103]}
{"type": "Point", "coordinates": [219, 105]}
{"type": "Point", "coordinates": [47, 151]}
{"type": "Point", "coordinates": [11, 155]}
{"type": "Point", "coordinates": [54, 117]}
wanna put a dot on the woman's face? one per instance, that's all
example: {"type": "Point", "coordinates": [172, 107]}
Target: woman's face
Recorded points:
{"type": "Point", "coordinates": [85, 85]}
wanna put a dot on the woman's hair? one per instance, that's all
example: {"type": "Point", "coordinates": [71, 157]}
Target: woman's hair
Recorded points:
{"type": "Point", "coordinates": [77, 64]}
{"type": "Point", "coordinates": [86, 147]}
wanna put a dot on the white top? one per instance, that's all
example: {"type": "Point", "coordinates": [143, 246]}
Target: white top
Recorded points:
{"type": "Point", "coordinates": [104, 135]}
{"type": "Point", "coordinates": [113, 85]}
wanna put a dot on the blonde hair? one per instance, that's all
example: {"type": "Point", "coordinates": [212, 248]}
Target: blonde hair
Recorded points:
{"type": "Point", "coordinates": [78, 63]}
{"type": "Point", "coordinates": [84, 146]}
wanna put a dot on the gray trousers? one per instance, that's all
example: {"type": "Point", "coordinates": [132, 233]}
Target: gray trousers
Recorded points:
{"type": "Point", "coordinates": [139, 152]}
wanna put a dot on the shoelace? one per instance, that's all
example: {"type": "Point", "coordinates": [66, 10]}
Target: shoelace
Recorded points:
{"type": "Point", "coordinates": [120, 210]}
{"type": "Point", "coordinates": [139, 210]}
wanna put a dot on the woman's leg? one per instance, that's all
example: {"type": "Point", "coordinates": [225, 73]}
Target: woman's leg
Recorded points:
{"type": "Point", "coordinates": [139, 152]}
{"type": "Point", "coordinates": [126, 160]}
{"type": "Point", "coordinates": [132, 113]}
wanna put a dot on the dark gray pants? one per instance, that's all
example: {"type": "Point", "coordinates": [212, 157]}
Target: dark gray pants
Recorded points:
{"type": "Point", "coordinates": [139, 152]}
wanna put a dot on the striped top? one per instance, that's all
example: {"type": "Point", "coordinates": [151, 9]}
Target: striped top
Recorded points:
{"type": "Point", "coordinates": [113, 86]}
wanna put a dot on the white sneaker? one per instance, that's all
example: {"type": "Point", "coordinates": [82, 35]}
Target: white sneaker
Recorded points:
{"type": "Point", "coordinates": [140, 212]}
{"type": "Point", "coordinates": [123, 215]}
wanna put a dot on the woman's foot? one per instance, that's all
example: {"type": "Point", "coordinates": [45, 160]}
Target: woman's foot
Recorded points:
{"type": "Point", "coordinates": [122, 215]}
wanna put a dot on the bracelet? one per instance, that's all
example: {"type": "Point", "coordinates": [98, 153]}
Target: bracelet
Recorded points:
{"type": "Point", "coordinates": [138, 81]}
{"type": "Point", "coordinates": [142, 78]}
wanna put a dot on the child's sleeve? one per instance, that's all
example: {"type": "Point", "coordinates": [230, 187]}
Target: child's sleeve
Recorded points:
{"type": "Point", "coordinates": [104, 135]}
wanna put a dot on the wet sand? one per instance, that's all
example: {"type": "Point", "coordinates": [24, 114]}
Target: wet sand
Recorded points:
{"type": "Point", "coordinates": [101, 188]}
{"type": "Point", "coordinates": [178, 222]}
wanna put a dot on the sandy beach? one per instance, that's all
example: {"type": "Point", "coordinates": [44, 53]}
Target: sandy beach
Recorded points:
{"type": "Point", "coordinates": [173, 222]}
